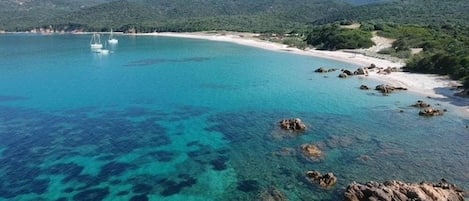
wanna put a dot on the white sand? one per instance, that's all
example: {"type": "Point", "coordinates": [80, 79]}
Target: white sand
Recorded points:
{"type": "Point", "coordinates": [426, 85]}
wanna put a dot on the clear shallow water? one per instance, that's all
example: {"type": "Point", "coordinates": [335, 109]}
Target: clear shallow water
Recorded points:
{"type": "Point", "coordinates": [179, 119]}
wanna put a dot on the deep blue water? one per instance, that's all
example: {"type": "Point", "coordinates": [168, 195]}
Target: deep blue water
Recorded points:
{"type": "Point", "coordinates": [182, 119]}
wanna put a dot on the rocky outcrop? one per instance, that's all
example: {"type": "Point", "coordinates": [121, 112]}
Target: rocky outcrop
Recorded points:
{"type": "Point", "coordinates": [324, 70]}
{"type": "Point", "coordinates": [421, 104]}
{"type": "Point", "coordinates": [311, 152]}
{"type": "Point", "coordinates": [325, 181]}
{"type": "Point", "coordinates": [429, 112]}
{"type": "Point", "coordinates": [360, 71]}
{"type": "Point", "coordinates": [386, 89]}
{"type": "Point", "coordinates": [343, 75]}
{"type": "Point", "coordinates": [273, 194]}
{"type": "Point", "coordinates": [388, 70]}
{"type": "Point", "coordinates": [364, 87]}
{"type": "Point", "coordinates": [400, 191]}
{"type": "Point", "coordinates": [292, 124]}
{"type": "Point", "coordinates": [349, 73]}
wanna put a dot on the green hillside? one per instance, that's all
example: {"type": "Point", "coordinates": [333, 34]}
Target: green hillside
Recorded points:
{"type": "Point", "coordinates": [422, 12]}
{"type": "Point", "coordinates": [170, 14]}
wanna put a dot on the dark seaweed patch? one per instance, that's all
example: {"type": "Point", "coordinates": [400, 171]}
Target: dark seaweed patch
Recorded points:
{"type": "Point", "coordinates": [122, 193]}
{"type": "Point", "coordinates": [200, 152]}
{"type": "Point", "coordinates": [219, 163]}
{"type": "Point", "coordinates": [71, 170]}
{"type": "Point", "coordinates": [172, 187]}
{"type": "Point", "coordinates": [39, 186]}
{"type": "Point", "coordinates": [88, 180]}
{"type": "Point", "coordinates": [114, 169]}
{"type": "Point", "coordinates": [162, 156]}
{"type": "Point", "coordinates": [115, 182]}
{"type": "Point", "coordinates": [142, 188]}
{"type": "Point", "coordinates": [248, 186]}
{"type": "Point", "coordinates": [139, 198]}
{"type": "Point", "coordinates": [193, 143]}
{"type": "Point", "coordinates": [68, 190]}
{"type": "Point", "coordinates": [92, 194]}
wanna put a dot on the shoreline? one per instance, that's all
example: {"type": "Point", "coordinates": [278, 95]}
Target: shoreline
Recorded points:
{"type": "Point", "coordinates": [427, 85]}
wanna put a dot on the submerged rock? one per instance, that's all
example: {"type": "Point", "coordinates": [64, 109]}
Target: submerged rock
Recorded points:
{"type": "Point", "coordinates": [273, 194]}
{"type": "Point", "coordinates": [311, 152]}
{"type": "Point", "coordinates": [326, 181]}
{"type": "Point", "coordinates": [400, 191]}
{"type": "Point", "coordinates": [292, 124]}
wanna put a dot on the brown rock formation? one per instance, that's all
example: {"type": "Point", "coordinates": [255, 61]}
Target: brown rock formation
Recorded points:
{"type": "Point", "coordinates": [385, 89]}
{"type": "Point", "coordinates": [273, 194]}
{"type": "Point", "coordinates": [360, 71]}
{"type": "Point", "coordinates": [292, 124]}
{"type": "Point", "coordinates": [325, 181]}
{"type": "Point", "coordinates": [400, 191]}
{"type": "Point", "coordinates": [311, 152]}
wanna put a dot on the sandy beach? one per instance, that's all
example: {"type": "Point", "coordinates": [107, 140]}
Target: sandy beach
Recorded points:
{"type": "Point", "coordinates": [430, 86]}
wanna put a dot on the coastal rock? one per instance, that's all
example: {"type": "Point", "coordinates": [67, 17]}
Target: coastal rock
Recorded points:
{"type": "Point", "coordinates": [372, 66]}
{"type": "Point", "coordinates": [400, 191]}
{"type": "Point", "coordinates": [421, 104]}
{"type": "Point", "coordinates": [311, 152]}
{"type": "Point", "coordinates": [360, 71]}
{"type": "Point", "coordinates": [292, 124]}
{"type": "Point", "coordinates": [364, 87]}
{"type": "Point", "coordinates": [324, 70]}
{"type": "Point", "coordinates": [343, 75]}
{"type": "Point", "coordinates": [349, 73]}
{"type": "Point", "coordinates": [321, 70]}
{"type": "Point", "coordinates": [429, 112]}
{"type": "Point", "coordinates": [388, 70]}
{"type": "Point", "coordinates": [325, 181]}
{"type": "Point", "coordinates": [273, 194]}
{"type": "Point", "coordinates": [385, 89]}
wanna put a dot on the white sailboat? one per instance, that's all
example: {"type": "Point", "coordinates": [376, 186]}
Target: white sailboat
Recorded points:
{"type": "Point", "coordinates": [112, 41]}
{"type": "Point", "coordinates": [95, 42]}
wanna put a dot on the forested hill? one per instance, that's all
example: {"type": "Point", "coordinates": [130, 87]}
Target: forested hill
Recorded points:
{"type": "Point", "coordinates": [240, 15]}
{"type": "Point", "coordinates": [170, 15]}
{"type": "Point", "coordinates": [420, 12]}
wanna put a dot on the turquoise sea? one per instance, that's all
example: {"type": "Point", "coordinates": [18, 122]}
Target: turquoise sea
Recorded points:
{"type": "Point", "coordinates": [192, 120]}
